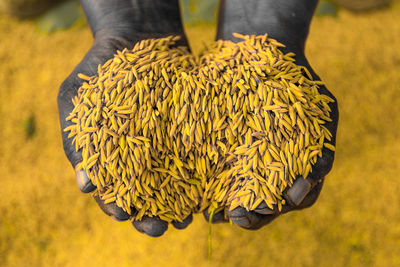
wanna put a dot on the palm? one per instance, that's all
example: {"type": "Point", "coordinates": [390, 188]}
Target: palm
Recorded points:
{"type": "Point", "coordinates": [288, 22]}
{"type": "Point", "coordinates": [117, 25]}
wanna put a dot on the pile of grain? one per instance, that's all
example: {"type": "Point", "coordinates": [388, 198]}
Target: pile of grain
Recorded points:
{"type": "Point", "coordinates": [163, 133]}
{"type": "Point", "coordinates": [275, 116]}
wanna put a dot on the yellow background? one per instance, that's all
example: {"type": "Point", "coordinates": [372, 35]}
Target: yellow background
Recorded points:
{"type": "Point", "coordinates": [46, 221]}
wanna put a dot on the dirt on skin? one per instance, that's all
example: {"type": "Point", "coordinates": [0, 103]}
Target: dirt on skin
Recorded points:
{"type": "Point", "coordinates": [46, 221]}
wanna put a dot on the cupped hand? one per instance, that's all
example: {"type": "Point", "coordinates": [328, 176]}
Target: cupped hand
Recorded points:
{"type": "Point", "coordinates": [115, 25]}
{"type": "Point", "coordinates": [288, 22]}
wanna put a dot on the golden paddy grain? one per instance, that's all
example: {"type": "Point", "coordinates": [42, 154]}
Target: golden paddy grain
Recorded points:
{"type": "Point", "coordinates": [164, 133]}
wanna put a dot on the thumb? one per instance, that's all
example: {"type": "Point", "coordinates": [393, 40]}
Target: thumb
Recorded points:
{"type": "Point", "coordinates": [75, 157]}
{"type": "Point", "coordinates": [99, 53]}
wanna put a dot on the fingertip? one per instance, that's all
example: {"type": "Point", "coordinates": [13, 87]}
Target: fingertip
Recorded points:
{"type": "Point", "coordinates": [241, 221]}
{"type": "Point", "coordinates": [250, 220]}
{"type": "Point", "coordinates": [312, 197]}
{"type": "Point", "coordinates": [84, 183]}
{"type": "Point", "coordinates": [264, 209]}
{"type": "Point", "coordinates": [239, 216]}
{"type": "Point", "coordinates": [185, 223]}
{"type": "Point", "coordinates": [153, 226]}
{"type": "Point", "coordinates": [218, 217]}
{"type": "Point", "coordinates": [111, 209]}
{"type": "Point", "coordinates": [122, 218]}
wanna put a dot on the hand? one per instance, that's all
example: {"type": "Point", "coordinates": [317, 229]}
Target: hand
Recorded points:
{"type": "Point", "coordinates": [288, 22]}
{"type": "Point", "coordinates": [117, 24]}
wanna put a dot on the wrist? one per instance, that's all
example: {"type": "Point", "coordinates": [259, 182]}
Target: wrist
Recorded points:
{"type": "Point", "coordinates": [133, 20]}
{"type": "Point", "coordinates": [287, 21]}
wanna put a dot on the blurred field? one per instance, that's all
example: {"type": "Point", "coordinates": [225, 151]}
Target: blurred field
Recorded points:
{"type": "Point", "coordinates": [46, 221]}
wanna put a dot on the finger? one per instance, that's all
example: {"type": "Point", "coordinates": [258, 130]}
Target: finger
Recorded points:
{"type": "Point", "coordinates": [153, 227]}
{"type": "Point", "coordinates": [84, 183]}
{"type": "Point", "coordinates": [68, 91]}
{"type": "Point", "coordinates": [218, 217]}
{"type": "Point", "coordinates": [265, 210]}
{"type": "Point", "coordinates": [298, 191]}
{"type": "Point", "coordinates": [334, 113]}
{"type": "Point", "coordinates": [301, 187]}
{"type": "Point", "coordinates": [182, 225]}
{"type": "Point", "coordinates": [311, 197]}
{"type": "Point", "coordinates": [324, 163]}
{"type": "Point", "coordinates": [249, 219]}
{"type": "Point", "coordinates": [302, 194]}
{"type": "Point", "coordinates": [111, 209]}
{"type": "Point", "coordinates": [98, 54]}
{"type": "Point", "coordinates": [322, 167]}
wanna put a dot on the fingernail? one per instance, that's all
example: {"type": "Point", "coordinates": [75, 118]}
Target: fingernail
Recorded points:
{"type": "Point", "coordinates": [299, 191]}
{"type": "Point", "coordinates": [84, 183]}
{"type": "Point", "coordinates": [264, 209]}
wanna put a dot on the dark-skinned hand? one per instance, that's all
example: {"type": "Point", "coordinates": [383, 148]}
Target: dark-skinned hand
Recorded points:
{"type": "Point", "coordinates": [115, 25]}
{"type": "Point", "coordinates": [287, 21]}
